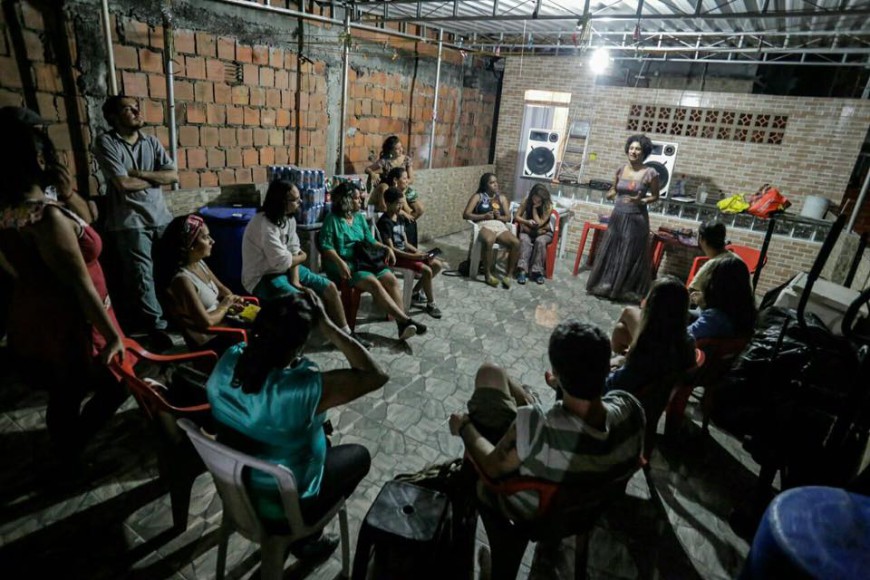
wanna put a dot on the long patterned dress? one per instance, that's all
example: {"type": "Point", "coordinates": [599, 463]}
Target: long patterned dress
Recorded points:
{"type": "Point", "coordinates": [622, 269]}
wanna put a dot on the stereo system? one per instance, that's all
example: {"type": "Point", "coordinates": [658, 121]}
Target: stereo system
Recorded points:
{"type": "Point", "coordinates": [542, 147]}
{"type": "Point", "coordinates": [663, 159]}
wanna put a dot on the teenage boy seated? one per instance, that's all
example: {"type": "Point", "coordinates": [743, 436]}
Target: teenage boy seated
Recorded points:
{"type": "Point", "coordinates": [391, 227]}
{"type": "Point", "coordinates": [585, 440]}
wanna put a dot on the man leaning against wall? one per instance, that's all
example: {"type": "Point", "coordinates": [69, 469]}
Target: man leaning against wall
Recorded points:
{"type": "Point", "coordinates": [135, 166]}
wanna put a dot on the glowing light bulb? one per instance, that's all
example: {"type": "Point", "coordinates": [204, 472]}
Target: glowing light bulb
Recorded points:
{"type": "Point", "coordinates": [600, 60]}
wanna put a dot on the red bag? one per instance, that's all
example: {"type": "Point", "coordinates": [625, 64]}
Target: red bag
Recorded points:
{"type": "Point", "coordinates": [766, 202]}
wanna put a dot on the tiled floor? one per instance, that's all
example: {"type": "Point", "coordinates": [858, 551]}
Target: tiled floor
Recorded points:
{"type": "Point", "coordinates": [112, 520]}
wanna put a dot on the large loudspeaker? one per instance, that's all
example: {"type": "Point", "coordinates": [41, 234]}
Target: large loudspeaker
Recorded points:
{"type": "Point", "coordinates": [542, 146]}
{"type": "Point", "coordinates": [662, 159]}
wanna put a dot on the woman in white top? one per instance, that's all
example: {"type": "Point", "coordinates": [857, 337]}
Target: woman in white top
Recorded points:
{"type": "Point", "coordinates": [200, 300]}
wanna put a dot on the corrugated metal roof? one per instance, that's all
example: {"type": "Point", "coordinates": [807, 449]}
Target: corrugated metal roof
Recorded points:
{"type": "Point", "coordinates": [833, 32]}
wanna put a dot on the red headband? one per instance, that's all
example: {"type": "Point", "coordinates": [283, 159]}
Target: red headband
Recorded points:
{"type": "Point", "coordinates": [192, 225]}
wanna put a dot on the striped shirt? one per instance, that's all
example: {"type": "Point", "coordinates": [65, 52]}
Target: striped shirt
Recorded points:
{"type": "Point", "coordinates": [559, 446]}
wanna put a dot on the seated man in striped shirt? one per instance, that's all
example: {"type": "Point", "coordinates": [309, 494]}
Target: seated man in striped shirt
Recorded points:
{"type": "Point", "coordinates": [585, 439]}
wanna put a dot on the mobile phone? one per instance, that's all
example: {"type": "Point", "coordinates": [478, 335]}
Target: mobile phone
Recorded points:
{"type": "Point", "coordinates": [433, 253]}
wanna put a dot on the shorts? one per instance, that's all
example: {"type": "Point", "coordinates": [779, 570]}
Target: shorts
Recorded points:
{"type": "Point", "coordinates": [495, 226]}
{"type": "Point", "coordinates": [275, 285]}
{"type": "Point", "coordinates": [416, 265]}
{"type": "Point", "coordinates": [492, 411]}
{"type": "Point", "coordinates": [358, 276]}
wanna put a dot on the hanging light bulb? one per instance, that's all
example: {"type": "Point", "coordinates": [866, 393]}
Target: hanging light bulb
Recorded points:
{"type": "Point", "coordinates": [600, 60]}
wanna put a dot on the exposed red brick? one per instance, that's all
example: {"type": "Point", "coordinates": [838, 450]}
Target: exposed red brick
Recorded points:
{"type": "Point", "coordinates": [250, 157]}
{"type": "Point", "coordinates": [245, 137]}
{"type": "Point", "coordinates": [185, 42]}
{"type": "Point", "coordinates": [260, 54]}
{"type": "Point", "coordinates": [156, 38]}
{"type": "Point", "coordinates": [126, 57]}
{"type": "Point", "coordinates": [196, 158]}
{"type": "Point", "coordinates": [205, 44]}
{"type": "Point", "coordinates": [33, 46]}
{"type": "Point", "coordinates": [227, 137]}
{"type": "Point", "coordinates": [235, 116]}
{"type": "Point", "coordinates": [273, 98]}
{"type": "Point", "coordinates": [134, 84]}
{"type": "Point", "coordinates": [250, 74]}
{"type": "Point", "coordinates": [282, 118]}
{"type": "Point", "coordinates": [258, 96]}
{"type": "Point", "coordinates": [267, 117]}
{"type": "Point", "coordinates": [282, 79]}
{"type": "Point", "coordinates": [227, 177]}
{"type": "Point", "coordinates": [203, 92]}
{"type": "Point", "coordinates": [208, 136]}
{"type": "Point", "coordinates": [188, 179]}
{"type": "Point", "coordinates": [276, 57]}
{"type": "Point", "coordinates": [226, 48]}
{"type": "Point", "coordinates": [157, 86]}
{"type": "Point", "coordinates": [244, 175]}
{"type": "Point", "coordinates": [222, 94]}
{"type": "Point", "coordinates": [9, 75]}
{"type": "Point", "coordinates": [234, 157]}
{"type": "Point", "coordinates": [135, 32]}
{"type": "Point", "coordinates": [267, 76]}
{"type": "Point", "coordinates": [188, 136]}
{"type": "Point", "coordinates": [276, 137]}
{"type": "Point", "coordinates": [183, 90]}
{"type": "Point", "coordinates": [244, 53]}
{"type": "Point", "coordinates": [32, 17]}
{"type": "Point", "coordinates": [216, 158]}
{"type": "Point", "coordinates": [208, 179]}
{"type": "Point", "coordinates": [240, 95]}
{"type": "Point", "coordinates": [261, 137]}
{"type": "Point", "coordinates": [214, 70]}
{"type": "Point", "coordinates": [216, 114]}
{"type": "Point", "coordinates": [267, 156]}
{"type": "Point", "coordinates": [195, 113]}
{"type": "Point", "coordinates": [60, 136]}
{"type": "Point", "coordinates": [194, 67]}
{"type": "Point", "coordinates": [150, 60]}
{"type": "Point", "coordinates": [152, 111]}
{"type": "Point", "coordinates": [259, 175]}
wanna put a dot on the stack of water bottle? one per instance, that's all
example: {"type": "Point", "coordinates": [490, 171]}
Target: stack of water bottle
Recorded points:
{"type": "Point", "coordinates": [312, 190]}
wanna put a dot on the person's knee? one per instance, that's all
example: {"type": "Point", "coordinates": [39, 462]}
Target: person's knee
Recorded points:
{"type": "Point", "coordinates": [331, 291]}
{"type": "Point", "coordinates": [490, 376]}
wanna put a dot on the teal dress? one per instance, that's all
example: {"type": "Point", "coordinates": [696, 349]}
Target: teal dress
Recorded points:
{"type": "Point", "coordinates": [336, 234]}
{"type": "Point", "coordinates": [281, 422]}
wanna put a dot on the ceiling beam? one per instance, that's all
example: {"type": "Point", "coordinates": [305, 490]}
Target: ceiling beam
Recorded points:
{"type": "Point", "coordinates": [680, 16]}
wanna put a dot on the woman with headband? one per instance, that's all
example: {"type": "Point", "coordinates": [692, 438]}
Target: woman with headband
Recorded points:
{"type": "Point", "coordinates": [200, 299]}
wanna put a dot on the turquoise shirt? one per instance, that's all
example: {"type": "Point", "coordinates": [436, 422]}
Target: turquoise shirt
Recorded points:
{"type": "Point", "coordinates": [336, 234]}
{"type": "Point", "coordinates": [282, 417]}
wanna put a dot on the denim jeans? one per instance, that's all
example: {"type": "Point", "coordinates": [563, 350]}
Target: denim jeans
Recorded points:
{"type": "Point", "coordinates": [136, 249]}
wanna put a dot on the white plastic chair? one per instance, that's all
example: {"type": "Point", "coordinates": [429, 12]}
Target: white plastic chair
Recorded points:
{"type": "Point", "coordinates": [227, 466]}
{"type": "Point", "coordinates": [408, 275]}
{"type": "Point", "coordinates": [476, 244]}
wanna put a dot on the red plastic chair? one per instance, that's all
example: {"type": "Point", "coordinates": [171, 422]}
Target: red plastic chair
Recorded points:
{"type": "Point", "coordinates": [665, 395]}
{"type": "Point", "coordinates": [597, 229]}
{"type": "Point", "coordinates": [721, 354]}
{"type": "Point", "coordinates": [553, 246]}
{"type": "Point", "coordinates": [177, 461]}
{"type": "Point", "coordinates": [563, 510]}
{"type": "Point", "coordinates": [350, 298]}
{"type": "Point", "coordinates": [749, 256]}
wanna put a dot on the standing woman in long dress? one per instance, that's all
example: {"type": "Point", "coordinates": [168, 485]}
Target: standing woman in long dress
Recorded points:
{"type": "Point", "coordinates": [622, 268]}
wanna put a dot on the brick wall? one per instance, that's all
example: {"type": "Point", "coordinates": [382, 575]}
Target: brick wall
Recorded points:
{"type": "Point", "coordinates": [245, 99]}
{"type": "Point", "coordinates": [816, 157]}
{"type": "Point", "coordinates": [393, 104]}
{"type": "Point", "coordinates": [42, 80]}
